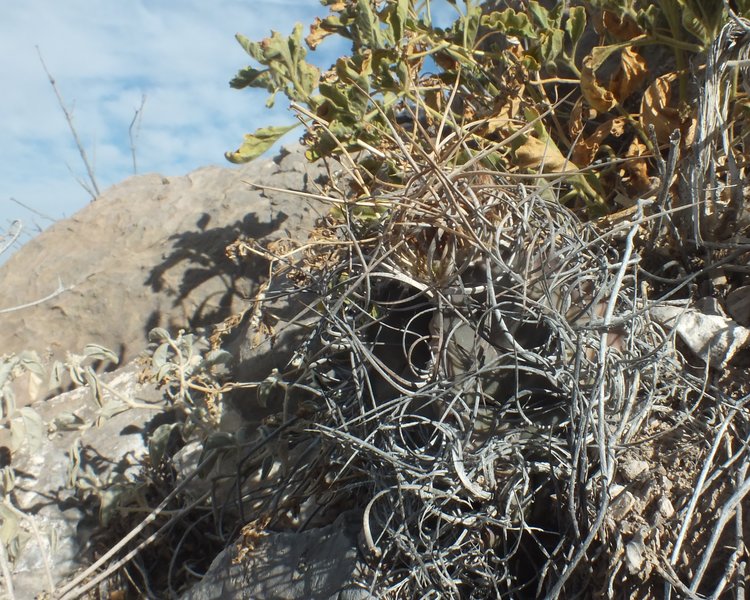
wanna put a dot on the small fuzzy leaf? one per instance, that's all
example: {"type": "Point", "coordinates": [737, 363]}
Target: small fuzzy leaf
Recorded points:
{"type": "Point", "coordinates": [8, 479]}
{"type": "Point", "coordinates": [6, 367]}
{"type": "Point", "coordinates": [160, 356]}
{"type": "Point", "coordinates": [110, 409]}
{"type": "Point", "coordinates": [164, 371]}
{"type": "Point", "coordinates": [9, 527]}
{"type": "Point", "coordinates": [17, 434]}
{"type": "Point", "coordinates": [26, 427]}
{"type": "Point", "coordinates": [74, 467]}
{"type": "Point", "coordinates": [30, 361]}
{"type": "Point", "coordinates": [97, 352]}
{"type": "Point", "coordinates": [159, 441]}
{"type": "Point", "coordinates": [111, 499]}
{"type": "Point", "coordinates": [158, 334]}
{"type": "Point", "coordinates": [257, 143]}
{"type": "Point", "coordinates": [94, 385]}
{"type": "Point", "coordinates": [56, 374]}
{"type": "Point", "coordinates": [67, 421]}
{"type": "Point", "coordinates": [34, 426]}
{"type": "Point", "coordinates": [220, 439]}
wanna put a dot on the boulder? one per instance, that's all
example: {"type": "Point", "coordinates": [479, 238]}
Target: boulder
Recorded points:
{"type": "Point", "coordinates": [150, 252]}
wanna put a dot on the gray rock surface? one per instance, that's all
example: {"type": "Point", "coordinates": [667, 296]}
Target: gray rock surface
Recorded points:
{"type": "Point", "coordinates": [42, 487]}
{"type": "Point", "coordinates": [318, 564]}
{"type": "Point", "coordinates": [151, 252]}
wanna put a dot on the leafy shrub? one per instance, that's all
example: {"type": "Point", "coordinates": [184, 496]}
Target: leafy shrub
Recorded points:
{"type": "Point", "coordinates": [584, 91]}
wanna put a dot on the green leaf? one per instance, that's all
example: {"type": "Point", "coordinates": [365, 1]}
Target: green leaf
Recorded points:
{"type": "Point", "coordinates": [366, 25]}
{"type": "Point", "coordinates": [540, 14]}
{"type": "Point", "coordinates": [257, 143]}
{"type": "Point", "coordinates": [552, 45]}
{"type": "Point", "coordinates": [576, 24]}
{"type": "Point", "coordinates": [510, 22]}
{"type": "Point", "coordinates": [702, 19]}
{"type": "Point", "coordinates": [287, 71]}
{"type": "Point", "coordinates": [252, 48]}
{"type": "Point", "coordinates": [334, 97]}
{"type": "Point", "coordinates": [397, 19]}
{"type": "Point", "coordinates": [307, 77]}
{"type": "Point", "coordinates": [470, 24]}
{"type": "Point", "coordinates": [250, 77]}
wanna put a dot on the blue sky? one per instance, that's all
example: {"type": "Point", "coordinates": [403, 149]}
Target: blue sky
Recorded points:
{"type": "Point", "coordinates": [105, 55]}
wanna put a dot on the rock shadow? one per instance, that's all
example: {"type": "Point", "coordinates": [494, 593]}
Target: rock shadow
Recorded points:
{"type": "Point", "coordinates": [204, 251]}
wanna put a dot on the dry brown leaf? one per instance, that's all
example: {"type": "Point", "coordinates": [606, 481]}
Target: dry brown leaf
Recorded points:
{"type": "Point", "coordinates": [578, 116]}
{"type": "Point", "coordinates": [317, 34]}
{"type": "Point", "coordinates": [598, 97]}
{"type": "Point", "coordinates": [634, 172]}
{"type": "Point", "coordinates": [656, 109]}
{"type": "Point", "coordinates": [445, 61]}
{"type": "Point", "coordinates": [621, 27]}
{"type": "Point", "coordinates": [586, 149]}
{"type": "Point", "coordinates": [535, 154]}
{"type": "Point", "coordinates": [505, 113]}
{"type": "Point", "coordinates": [631, 74]}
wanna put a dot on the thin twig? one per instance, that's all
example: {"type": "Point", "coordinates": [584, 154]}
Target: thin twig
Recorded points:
{"type": "Point", "coordinates": [134, 131]}
{"type": "Point", "coordinates": [35, 211]}
{"type": "Point", "coordinates": [69, 119]}
{"type": "Point", "coordinates": [60, 289]}
{"type": "Point", "coordinates": [16, 227]}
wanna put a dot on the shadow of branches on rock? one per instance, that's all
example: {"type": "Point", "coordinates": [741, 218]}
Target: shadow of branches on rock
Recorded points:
{"type": "Point", "coordinates": [204, 249]}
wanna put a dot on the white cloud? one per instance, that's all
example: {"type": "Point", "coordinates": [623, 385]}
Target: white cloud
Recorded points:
{"type": "Point", "coordinates": [104, 54]}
